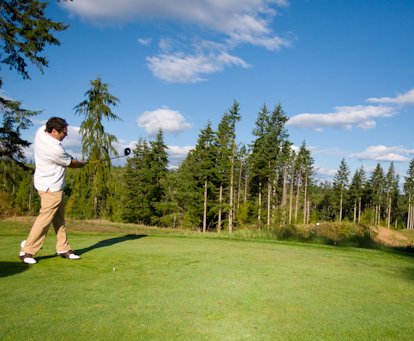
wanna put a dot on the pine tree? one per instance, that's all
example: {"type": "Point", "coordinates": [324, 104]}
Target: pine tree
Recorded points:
{"type": "Point", "coordinates": [97, 145]}
{"type": "Point", "coordinates": [223, 141]}
{"type": "Point", "coordinates": [341, 183]}
{"type": "Point", "coordinates": [409, 191]}
{"type": "Point", "coordinates": [158, 167]}
{"type": "Point", "coordinates": [235, 117]}
{"type": "Point", "coordinates": [15, 119]}
{"type": "Point", "coordinates": [133, 198]}
{"type": "Point", "coordinates": [24, 33]}
{"type": "Point", "coordinates": [391, 185]}
{"type": "Point", "coordinates": [258, 159]}
{"type": "Point", "coordinates": [376, 186]}
{"type": "Point", "coordinates": [356, 190]}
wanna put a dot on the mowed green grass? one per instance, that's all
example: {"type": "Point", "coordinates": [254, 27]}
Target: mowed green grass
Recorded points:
{"type": "Point", "coordinates": [159, 287]}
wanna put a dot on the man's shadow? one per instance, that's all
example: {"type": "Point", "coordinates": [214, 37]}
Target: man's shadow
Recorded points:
{"type": "Point", "coordinates": [12, 268]}
{"type": "Point", "coordinates": [102, 243]}
{"type": "Point", "coordinates": [110, 242]}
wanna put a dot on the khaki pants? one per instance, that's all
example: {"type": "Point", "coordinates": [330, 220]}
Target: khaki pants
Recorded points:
{"type": "Point", "coordinates": [52, 211]}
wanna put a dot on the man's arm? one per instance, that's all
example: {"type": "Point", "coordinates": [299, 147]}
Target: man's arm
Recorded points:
{"type": "Point", "coordinates": [77, 164]}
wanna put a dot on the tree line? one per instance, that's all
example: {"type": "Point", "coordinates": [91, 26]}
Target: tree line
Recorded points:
{"type": "Point", "coordinates": [221, 184]}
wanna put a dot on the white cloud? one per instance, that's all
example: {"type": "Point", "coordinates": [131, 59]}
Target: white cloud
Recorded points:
{"type": "Point", "coordinates": [179, 68]}
{"type": "Point", "coordinates": [343, 118]}
{"type": "Point", "coordinates": [177, 154]}
{"type": "Point", "coordinates": [329, 151]}
{"type": "Point", "coordinates": [145, 41]}
{"type": "Point", "coordinates": [323, 172]}
{"type": "Point", "coordinates": [242, 20]}
{"type": "Point", "coordinates": [401, 99]}
{"type": "Point", "coordinates": [236, 22]}
{"type": "Point", "coordinates": [170, 121]}
{"type": "Point", "coordinates": [382, 153]}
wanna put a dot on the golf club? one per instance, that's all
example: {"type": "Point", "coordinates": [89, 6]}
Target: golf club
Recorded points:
{"type": "Point", "coordinates": [127, 151]}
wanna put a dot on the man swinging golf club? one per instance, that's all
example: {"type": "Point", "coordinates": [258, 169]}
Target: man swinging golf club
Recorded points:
{"type": "Point", "coordinates": [49, 179]}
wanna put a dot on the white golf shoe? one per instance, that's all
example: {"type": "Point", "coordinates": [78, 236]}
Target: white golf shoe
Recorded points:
{"type": "Point", "coordinates": [27, 258]}
{"type": "Point", "coordinates": [68, 254]}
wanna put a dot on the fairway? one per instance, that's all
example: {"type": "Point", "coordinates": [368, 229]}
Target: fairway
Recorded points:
{"type": "Point", "coordinates": [155, 287]}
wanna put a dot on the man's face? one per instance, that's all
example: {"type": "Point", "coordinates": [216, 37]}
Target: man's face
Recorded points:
{"type": "Point", "coordinates": [63, 134]}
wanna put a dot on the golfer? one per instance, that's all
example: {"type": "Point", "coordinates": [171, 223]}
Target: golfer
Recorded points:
{"type": "Point", "coordinates": [49, 179]}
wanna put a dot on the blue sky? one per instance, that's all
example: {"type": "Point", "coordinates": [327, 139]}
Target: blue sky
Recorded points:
{"type": "Point", "coordinates": [342, 70]}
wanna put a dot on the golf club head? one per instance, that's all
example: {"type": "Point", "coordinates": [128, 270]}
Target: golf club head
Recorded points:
{"type": "Point", "coordinates": [127, 151]}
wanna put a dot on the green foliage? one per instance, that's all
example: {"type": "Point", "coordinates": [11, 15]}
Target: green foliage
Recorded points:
{"type": "Point", "coordinates": [15, 119]}
{"type": "Point", "coordinates": [24, 32]}
{"type": "Point", "coordinates": [95, 184]}
{"type": "Point", "coordinates": [147, 190]}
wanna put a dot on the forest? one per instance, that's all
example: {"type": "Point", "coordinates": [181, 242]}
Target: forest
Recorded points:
{"type": "Point", "coordinates": [220, 185]}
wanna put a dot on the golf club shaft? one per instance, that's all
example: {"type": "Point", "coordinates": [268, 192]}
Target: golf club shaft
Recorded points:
{"type": "Point", "coordinates": [116, 157]}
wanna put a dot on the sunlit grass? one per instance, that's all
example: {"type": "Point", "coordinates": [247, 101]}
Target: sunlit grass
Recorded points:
{"type": "Point", "coordinates": [160, 287]}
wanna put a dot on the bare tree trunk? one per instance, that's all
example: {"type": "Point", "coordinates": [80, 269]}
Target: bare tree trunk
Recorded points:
{"type": "Point", "coordinates": [291, 195]}
{"type": "Point", "coordinates": [340, 210]}
{"type": "Point", "coordinates": [220, 202]}
{"type": "Point", "coordinates": [205, 206]}
{"type": "Point", "coordinates": [354, 211]}
{"type": "Point", "coordinates": [231, 192]}
{"type": "Point", "coordinates": [95, 198]}
{"type": "Point", "coordinates": [359, 213]}
{"type": "Point", "coordinates": [240, 180]}
{"type": "Point", "coordinates": [308, 212]}
{"type": "Point", "coordinates": [245, 190]}
{"type": "Point", "coordinates": [389, 212]}
{"type": "Point", "coordinates": [284, 194]}
{"type": "Point", "coordinates": [304, 200]}
{"type": "Point", "coordinates": [260, 204]}
{"type": "Point", "coordinates": [379, 214]}
{"type": "Point", "coordinates": [409, 213]}
{"type": "Point", "coordinates": [298, 193]}
{"type": "Point", "coordinates": [269, 188]}
{"type": "Point", "coordinates": [412, 217]}
{"type": "Point", "coordinates": [376, 215]}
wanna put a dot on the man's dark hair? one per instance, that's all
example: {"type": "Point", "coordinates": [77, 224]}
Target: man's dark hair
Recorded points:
{"type": "Point", "coordinates": [56, 123]}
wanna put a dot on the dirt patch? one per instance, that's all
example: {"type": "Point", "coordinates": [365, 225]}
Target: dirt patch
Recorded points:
{"type": "Point", "coordinates": [388, 237]}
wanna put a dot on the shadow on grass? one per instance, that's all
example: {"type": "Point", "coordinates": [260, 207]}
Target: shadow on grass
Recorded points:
{"type": "Point", "coordinates": [102, 243]}
{"type": "Point", "coordinates": [12, 268]}
{"type": "Point", "coordinates": [110, 242]}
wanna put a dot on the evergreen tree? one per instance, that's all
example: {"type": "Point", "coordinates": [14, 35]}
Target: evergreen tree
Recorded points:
{"type": "Point", "coordinates": [15, 119]}
{"type": "Point", "coordinates": [158, 162]}
{"type": "Point", "coordinates": [341, 183]}
{"type": "Point", "coordinates": [409, 191]}
{"type": "Point", "coordinates": [133, 198]}
{"type": "Point", "coordinates": [391, 185]}
{"type": "Point", "coordinates": [258, 159]}
{"type": "Point", "coordinates": [205, 154]}
{"type": "Point", "coordinates": [95, 181]}
{"type": "Point", "coordinates": [235, 116]}
{"type": "Point", "coordinates": [24, 33]}
{"type": "Point", "coordinates": [356, 191]}
{"type": "Point", "coordinates": [376, 186]}
{"type": "Point", "coordinates": [223, 145]}
{"type": "Point", "coordinates": [266, 155]}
